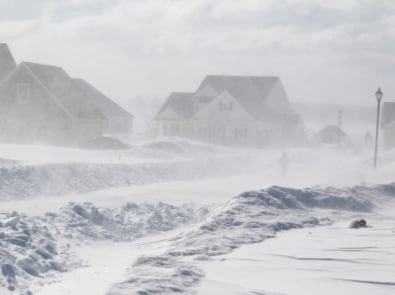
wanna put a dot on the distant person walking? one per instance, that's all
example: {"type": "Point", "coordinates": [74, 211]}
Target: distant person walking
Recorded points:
{"type": "Point", "coordinates": [284, 164]}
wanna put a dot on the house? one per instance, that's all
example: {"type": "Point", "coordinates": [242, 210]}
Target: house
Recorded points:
{"type": "Point", "coordinates": [242, 110]}
{"type": "Point", "coordinates": [388, 124]}
{"type": "Point", "coordinates": [42, 103]}
{"type": "Point", "coordinates": [330, 134]}
{"type": "Point", "coordinates": [7, 61]}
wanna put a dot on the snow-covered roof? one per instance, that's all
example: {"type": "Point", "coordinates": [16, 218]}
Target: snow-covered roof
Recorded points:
{"type": "Point", "coordinates": [63, 91]}
{"type": "Point", "coordinates": [252, 92]}
{"type": "Point", "coordinates": [108, 107]}
{"type": "Point", "coordinates": [7, 62]}
{"type": "Point", "coordinates": [76, 97]}
{"type": "Point", "coordinates": [181, 103]}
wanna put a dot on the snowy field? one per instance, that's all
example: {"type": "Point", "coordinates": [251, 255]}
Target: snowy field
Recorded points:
{"type": "Point", "coordinates": [330, 260]}
{"type": "Point", "coordinates": [169, 217]}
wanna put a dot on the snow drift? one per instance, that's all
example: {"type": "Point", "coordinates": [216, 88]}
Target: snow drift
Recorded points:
{"type": "Point", "coordinates": [249, 218]}
{"type": "Point", "coordinates": [35, 248]}
{"type": "Point", "coordinates": [32, 248]}
{"type": "Point", "coordinates": [152, 162]}
{"type": "Point", "coordinates": [28, 249]}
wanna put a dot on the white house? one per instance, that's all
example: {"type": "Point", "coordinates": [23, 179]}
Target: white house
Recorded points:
{"type": "Point", "coordinates": [250, 110]}
{"type": "Point", "coordinates": [388, 124]}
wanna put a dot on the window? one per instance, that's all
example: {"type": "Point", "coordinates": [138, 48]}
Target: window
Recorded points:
{"type": "Point", "coordinates": [225, 106]}
{"type": "Point", "coordinates": [241, 134]}
{"type": "Point", "coordinates": [23, 92]}
{"type": "Point", "coordinates": [221, 133]}
{"type": "Point", "coordinates": [165, 132]}
{"type": "Point", "coordinates": [175, 130]}
{"type": "Point", "coordinates": [185, 131]}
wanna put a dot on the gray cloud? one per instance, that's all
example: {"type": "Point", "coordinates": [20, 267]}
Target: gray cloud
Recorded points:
{"type": "Point", "coordinates": [23, 10]}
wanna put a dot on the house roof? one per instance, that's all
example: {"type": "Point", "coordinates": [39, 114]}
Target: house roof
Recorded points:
{"type": "Point", "coordinates": [388, 114]}
{"type": "Point", "coordinates": [7, 62]}
{"type": "Point", "coordinates": [62, 90]}
{"type": "Point", "coordinates": [108, 107]}
{"type": "Point", "coordinates": [251, 91]}
{"type": "Point", "coordinates": [181, 103]}
{"type": "Point", "coordinates": [77, 97]}
{"type": "Point", "coordinates": [330, 134]}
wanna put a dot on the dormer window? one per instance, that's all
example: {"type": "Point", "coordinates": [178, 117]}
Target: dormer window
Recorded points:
{"type": "Point", "coordinates": [23, 92]}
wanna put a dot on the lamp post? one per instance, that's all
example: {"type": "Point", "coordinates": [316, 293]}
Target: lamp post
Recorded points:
{"type": "Point", "coordinates": [379, 96]}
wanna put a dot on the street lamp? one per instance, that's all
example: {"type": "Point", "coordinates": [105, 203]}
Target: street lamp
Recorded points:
{"type": "Point", "coordinates": [379, 96]}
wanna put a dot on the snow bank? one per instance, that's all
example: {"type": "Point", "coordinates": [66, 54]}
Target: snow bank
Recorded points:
{"type": "Point", "coordinates": [7, 163]}
{"type": "Point", "coordinates": [170, 276]}
{"type": "Point", "coordinates": [28, 248]}
{"type": "Point", "coordinates": [34, 248]}
{"type": "Point", "coordinates": [77, 172]}
{"type": "Point", "coordinates": [31, 248]}
{"type": "Point", "coordinates": [249, 218]}
{"type": "Point", "coordinates": [65, 178]}
{"type": "Point", "coordinates": [132, 221]}
{"type": "Point", "coordinates": [254, 216]}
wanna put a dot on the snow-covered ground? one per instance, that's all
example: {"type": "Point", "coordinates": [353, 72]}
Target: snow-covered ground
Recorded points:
{"type": "Point", "coordinates": [177, 216]}
{"type": "Point", "coordinates": [327, 260]}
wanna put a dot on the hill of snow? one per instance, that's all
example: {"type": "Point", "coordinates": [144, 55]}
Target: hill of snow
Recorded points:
{"type": "Point", "coordinates": [249, 218]}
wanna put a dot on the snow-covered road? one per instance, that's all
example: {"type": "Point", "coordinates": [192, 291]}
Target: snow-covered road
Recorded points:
{"type": "Point", "coordinates": [106, 263]}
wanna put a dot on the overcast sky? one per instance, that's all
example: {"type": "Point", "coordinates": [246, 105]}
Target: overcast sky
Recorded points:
{"type": "Point", "coordinates": [324, 51]}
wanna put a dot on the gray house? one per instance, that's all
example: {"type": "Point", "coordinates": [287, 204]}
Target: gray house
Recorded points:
{"type": "Point", "coordinates": [42, 103]}
{"type": "Point", "coordinates": [388, 124]}
{"type": "Point", "coordinates": [7, 62]}
{"type": "Point", "coordinates": [251, 110]}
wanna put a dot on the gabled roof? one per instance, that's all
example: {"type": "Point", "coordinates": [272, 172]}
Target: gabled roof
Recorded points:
{"type": "Point", "coordinates": [205, 94]}
{"type": "Point", "coordinates": [388, 114]}
{"type": "Point", "coordinates": [181, 103]}
{"type": "Point", "coordinates": [251, 91]}
{"type": "Point", "coordinates": [76, 97]}
{"type": "Point", "coordinates": [7, 62]}
{"type": "Point", "coordinates": [98, 99]}
{"type": "Point", "coordinates": [63, 91]}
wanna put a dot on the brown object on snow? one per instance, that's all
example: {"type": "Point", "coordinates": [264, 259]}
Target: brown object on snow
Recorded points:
{"type": "Point", "coordinates": [358, 223]}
